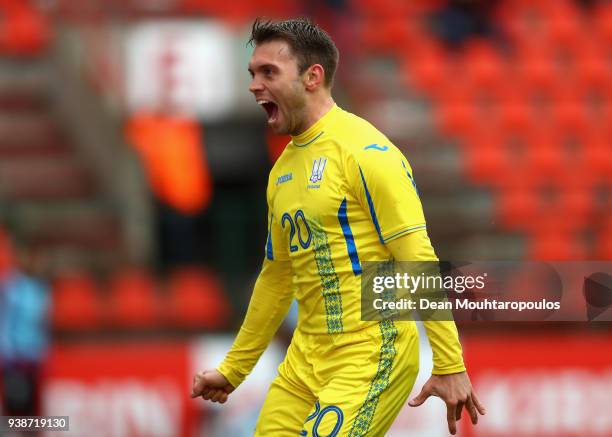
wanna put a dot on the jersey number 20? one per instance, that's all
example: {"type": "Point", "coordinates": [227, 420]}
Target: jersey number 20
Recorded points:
{"type": "Point", "coordinates": [294, 223]}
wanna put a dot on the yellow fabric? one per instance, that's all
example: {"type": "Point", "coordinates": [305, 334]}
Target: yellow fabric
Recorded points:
{"type": "Point", "coordinates": [360, 168]}
{"type": "Point", "coordinates": [270, 302]}
{"type": "Point", "coordinates": [340, 194]}
{"type": "Point", "coordinates": [323, 389]}
{"type": "Point", "coordinates": [442, 335]}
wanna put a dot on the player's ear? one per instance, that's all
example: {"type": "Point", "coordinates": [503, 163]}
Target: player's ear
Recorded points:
{"type": "Point", "coordinates": [314, 77]}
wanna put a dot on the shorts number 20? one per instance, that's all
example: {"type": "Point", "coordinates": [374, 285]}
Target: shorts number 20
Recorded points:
{"type": "Point", "coordinates": [318, 415]}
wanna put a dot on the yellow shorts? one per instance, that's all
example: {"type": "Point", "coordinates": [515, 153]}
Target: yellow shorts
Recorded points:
{"type": "Point", "coordinates": [351, 384]}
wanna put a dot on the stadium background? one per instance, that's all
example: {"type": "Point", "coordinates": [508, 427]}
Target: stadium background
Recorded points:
{"type": "Point", "coordinates": [133, 165]}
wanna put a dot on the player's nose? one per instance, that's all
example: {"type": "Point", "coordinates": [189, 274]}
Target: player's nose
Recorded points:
{"type": "Point", "coordinates": [255, 85]}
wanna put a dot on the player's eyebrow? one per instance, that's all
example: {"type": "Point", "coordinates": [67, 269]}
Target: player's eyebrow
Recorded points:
{"type": "Point", "coordinates": [261, 67]}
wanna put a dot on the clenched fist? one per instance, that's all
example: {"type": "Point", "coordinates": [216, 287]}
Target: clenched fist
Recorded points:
{"type": "Point", "coordinates": [211, 385]}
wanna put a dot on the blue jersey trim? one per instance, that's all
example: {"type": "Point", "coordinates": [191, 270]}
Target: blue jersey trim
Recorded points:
{"type": "Point", "coordinates": [348, 237]}
{"type": "Point", "coordinates": [269, 252]}
{"type": "Point", "coordinates": [371, 205]}
{"type": "Point", "coordinates": [376, 147]}
{"type": "Point", "coordinates": [309, 142]}
{"type": "Point", "coordinates": [405, 231]}
{"type": "Point", "coordinates": [411, 179]}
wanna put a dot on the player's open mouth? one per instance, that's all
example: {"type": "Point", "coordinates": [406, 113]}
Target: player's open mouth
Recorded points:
{"type": "Point", "coordinates": [271, 109]}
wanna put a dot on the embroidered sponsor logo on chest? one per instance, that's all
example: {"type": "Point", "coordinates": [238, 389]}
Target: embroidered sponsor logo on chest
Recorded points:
{"type": "Point", "coordinates": [318, 167]}
{"type": "Point", "coordinates": [284, 178]}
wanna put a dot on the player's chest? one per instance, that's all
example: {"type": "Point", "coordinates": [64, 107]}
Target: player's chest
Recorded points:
{"type": "Point", "coordinates": [314, 185]}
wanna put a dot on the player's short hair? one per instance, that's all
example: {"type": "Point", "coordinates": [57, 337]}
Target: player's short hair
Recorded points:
{"type": "Point", "coordinates": [308, 42]}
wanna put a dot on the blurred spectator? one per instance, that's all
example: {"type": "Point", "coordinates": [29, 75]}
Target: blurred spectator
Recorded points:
{"type": "Point", "coordinates": [24, 338]}
{"type": "Point", "coordinates": [459, 20]}
{"type": "Point", "coordinates": [173, 154]}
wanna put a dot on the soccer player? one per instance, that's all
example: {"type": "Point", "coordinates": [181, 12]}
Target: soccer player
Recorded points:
{"type": "Point", "coordinates": [340, 194]}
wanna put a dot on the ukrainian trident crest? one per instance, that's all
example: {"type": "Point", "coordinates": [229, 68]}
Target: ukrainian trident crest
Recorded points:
{"type": "Point", "coordinates": [317, 170]}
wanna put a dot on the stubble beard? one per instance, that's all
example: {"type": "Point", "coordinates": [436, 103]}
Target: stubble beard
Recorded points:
{"type": "Point", "coordinates": [297, 112]}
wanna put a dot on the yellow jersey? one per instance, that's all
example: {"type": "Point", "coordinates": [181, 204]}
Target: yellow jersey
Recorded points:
{"type": "Point", "coordinates": [337, 194]}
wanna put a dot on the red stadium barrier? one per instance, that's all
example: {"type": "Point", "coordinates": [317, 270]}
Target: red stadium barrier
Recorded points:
{"type": "Point", "coordinates": [129, 389]}
{"type": "Point", "coordinates": [541, 384]}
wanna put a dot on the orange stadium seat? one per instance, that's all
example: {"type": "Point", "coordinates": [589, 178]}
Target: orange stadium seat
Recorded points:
{"type": "Point", "coordinates": [516, 111]}
{"type": "Point", "coordinates": [197, 299]}
{"type": "Point", "coordinates": [76, 303]}
{"type": "Point", "coordinates": [592, 70]}
{"type": "Point", "coordinates": [236, 13]}
{"type": "Point", "coordinates": [603, 241]}
{"type": "Point", "coordinates": [133, 299]}
{"type": "Point", "coordinates": [516, 207]}
{"type": "Point", "coordinates": [482, 64]}
{"type": "Point", "coordinates": [390, 38]}
{"type": "Point", "coordinates": [569, 111]}
{"type": "Point", "coordinates": [563, 25]}
{"type": "Point", "coordinates": [457, 113]}
{"type": "Point", "coordinates": [602, 19]}
{"type": "Point", "coordinates": [240, 11]}
{"type": "Point", "coordinates": [552, 245]}
{"type": "Point", "coordinates": [456, 119]}
{"type": "Point", "coordinates": [511, 20]}
{"type": "Point", "coordinates": [484, 136]}
{"type": "Point", "coordinates": [579, 206]}
{"type": "Point", "coordinates": [568, 210]}
{"type": "Point", "coordinates": [487, 166]}
{"type": "Point", "coordinates": [385, 9]}
{"type": "Point", "coordinates": [535, 65]}
{"type": "Point", "coordinates": [563, 210]}
{"type": "Point", "coordinates": [596, 159]}
{"type": "Point", "coordinates": [544, 165]}
{"type": "Point", "coordinates": [428, 68]}
{"type": "Point", "coordinates": [534, 127]}
{"type": "Point", "coordinates": [523, 21]}
{"type": "Point", "coordinates": [205, 6]}
{"type": "Point", "coordinates": [24, 30]}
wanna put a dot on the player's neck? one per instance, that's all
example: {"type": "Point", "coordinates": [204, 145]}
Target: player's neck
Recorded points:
{"type": "Point", "coordinates": [318, 107]}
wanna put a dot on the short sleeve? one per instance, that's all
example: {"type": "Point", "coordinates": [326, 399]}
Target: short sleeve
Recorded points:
{"type": "Point", "coordinates": [276, 246]}
{"type": "Point", "coordinates": [382, 180]}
